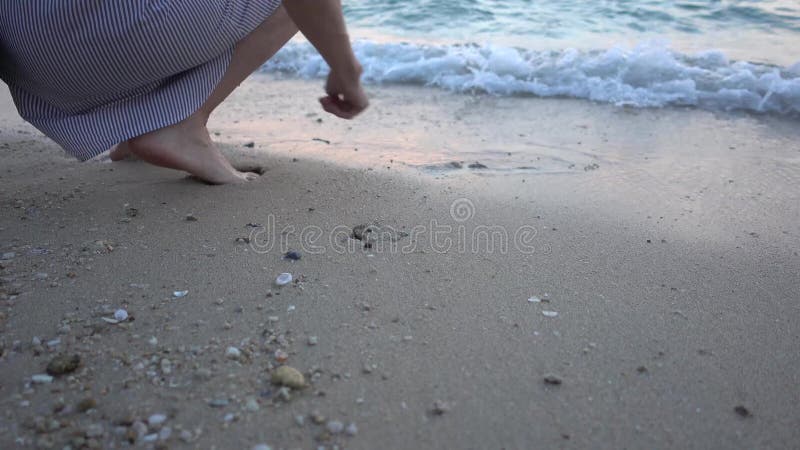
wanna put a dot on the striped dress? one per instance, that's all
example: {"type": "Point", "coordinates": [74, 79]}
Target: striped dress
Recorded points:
{"type": "Point", "coordinates": [90, 74]}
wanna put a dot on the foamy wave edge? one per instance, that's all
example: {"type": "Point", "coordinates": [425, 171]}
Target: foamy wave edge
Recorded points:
{"type": "Point", "coordinates": [647, 75]}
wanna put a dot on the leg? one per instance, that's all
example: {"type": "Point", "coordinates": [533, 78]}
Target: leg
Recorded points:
{"type": "Point", "coordinates": [187, 145]}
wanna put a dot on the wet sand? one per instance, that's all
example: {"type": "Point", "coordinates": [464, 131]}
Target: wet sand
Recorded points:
{"type": "Point", "coordinates": [666, 242]}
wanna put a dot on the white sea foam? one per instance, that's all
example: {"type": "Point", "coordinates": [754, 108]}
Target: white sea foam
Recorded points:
{"type": "Point", "coordinates": [648, 75]}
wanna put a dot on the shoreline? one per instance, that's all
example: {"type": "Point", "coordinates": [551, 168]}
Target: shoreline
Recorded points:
{"type": "Point", "coordinates": [675, 287]}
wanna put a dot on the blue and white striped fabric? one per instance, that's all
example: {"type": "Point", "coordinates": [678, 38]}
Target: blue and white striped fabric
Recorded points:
{"type": "Point", "coordinates": [90, 74]}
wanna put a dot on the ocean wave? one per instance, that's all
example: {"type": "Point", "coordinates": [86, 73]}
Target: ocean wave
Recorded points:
{"type": "Point", "coordinates": [648, 75]}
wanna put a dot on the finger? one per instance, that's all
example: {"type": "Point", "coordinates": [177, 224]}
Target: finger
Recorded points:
{"type": "Point", "coordinates": [332, 106]}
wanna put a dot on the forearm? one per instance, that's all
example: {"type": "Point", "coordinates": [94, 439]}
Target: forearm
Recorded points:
{"type": "Point", "coordinates": [322, 23]}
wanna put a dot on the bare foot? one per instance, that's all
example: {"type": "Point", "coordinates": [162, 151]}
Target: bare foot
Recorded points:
{"type": "Point", "coordinates": [187, 146]}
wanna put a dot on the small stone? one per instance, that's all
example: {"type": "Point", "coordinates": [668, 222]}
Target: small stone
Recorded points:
{"type": "Point", "coordinates": [156, 420]}
{"type": "Point", "coordinates": [641, 369]}
{"type": "Point", "coordinates": [262, 447]}
{"type": "Point", "coordinates": [229, 417]}
{"type": "Point", "coordinates": [742, 411]}
{"type": "Point", "coordinates": [86, 404]}
{"type": "Point", "coordinates": [334, 427]}
{"type": "Point", "coordinates": [288, 376]}
{"type": "Point", "coordinates": [166, 366]}
{"type": "Point", "coordinates": [233, 353]}
{"type": "Point", "coordinates": [185, 436]}
{"type": "Point", "coordinates": [440, 407]}
{"type": "Point", "coordinates": [549, 313]}
{"type": "Point", "coordinates": [121, 315]}
{"type": "Point", "coordinates": [284, 394]}
{"type": "Point", "coordinates": [164, 434]}
{"type": "Point", "coordinates": [180, 294]}
{"type": "Point", "coordinates": [63, 364]}
{"type": "Point", "coordinates": [8, 255]}
{"type": "Point", "coordinates": [281, 356]}
{"type": "Point", "coordinates": [299, 420]}
{"type": "Point", "coordinates": [534, 299]}
{"type": "Point", "coordinates": [94, 430]}
{"type": "Point", "coordinates": [218, 402]}
{"type": "Point", "coordinates": [292, 255]}
{"type": "Point", "coordinates": [191, 218]}
{"type": "Point", "coordinates": [250, 144]}
{"type": "Point", "coordinates": [313, 340]}
{"type": "Point", "coordinates": [351, 430]}
{"type": "Point", "coordinates": [140, 428]}
{"type": "Point", "coordinates": [552, 380]}
{"type": "Point", "coordinates": [153, 341]}
{"type": "Point", "coordinates": [477, 165]}
{"type": "Point", "coordinates": [251, 404]}
{"type": "Point", "coordinates": [41, 379]}
{"type": "Point", "coordinates": [317, 417]}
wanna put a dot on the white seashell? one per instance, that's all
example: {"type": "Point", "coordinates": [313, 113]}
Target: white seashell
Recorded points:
{"type": "Point", "coordinates": [110, 320]}
{"type": "Point", "coordinates": [549, 313]}
{"type": "Point", "coordinates": [283, 279]}
{"type": "Point", "coordinates": [291, 308]}
{"type": "Point", "coordinates": [121, 315]}
{"type": "Point", "coordinates": [179, 294]}
{"type": "Point", "coordinates": [535, 299]}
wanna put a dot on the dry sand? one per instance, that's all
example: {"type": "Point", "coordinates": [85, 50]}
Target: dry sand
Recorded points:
{"type": "Point", "coordinates": [673, 266]}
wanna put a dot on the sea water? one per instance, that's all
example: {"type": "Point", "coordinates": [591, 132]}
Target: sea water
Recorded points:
{"type": "Point", "coordinates": [718, 55]}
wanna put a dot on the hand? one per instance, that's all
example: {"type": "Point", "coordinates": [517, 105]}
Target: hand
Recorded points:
{"type": "Point", "coordinates": [345, 99]}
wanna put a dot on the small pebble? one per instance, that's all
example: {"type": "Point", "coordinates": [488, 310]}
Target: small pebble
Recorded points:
{"type": "Point", "coordinates": [180, 294]}
{"type": "Point", "coordinates": [440, 407]}
{"type": "Point", "coordinates": [86, 404]}
{"type": "Point", "coordinates": [549, 313]}
{"type": "Point", "coordinates": [62, 364]}
{"type": "Point", "coordinates": [185, 436]}
{"type": "Point", "coordinates": [552, 380]}
{"type": "Point", "coordinates": [742, 411]}
{"type": "Point", "coordinates": [288, 376]}
{"type": "Point", "coordinates": [292, 255]}
{"type": "Point", "coordinates": [281, 356]}
{"type": "Point", "coordinates": [534, 299]}
{"type": "Point", "coordinates": [317, 417]}
{"type": "Point", "coordinates": [262, 447]}
{"type": "Point", "coordinates": [351, 430]}
{"type": "Point", "coordinates": [299, 420]}
{"type": "Point", "coordinates": [164, 434]}
{"type": "Point", "coordinates": [251, 404]}
{"type": "Point", "coordinates": [191, 218]}
{"type": "Point", "coordinates": [41, 379]}
{"type": "Point", "coordinates": [8, 255]}
{"type": "Point", "coordinates": [283, 279]}
{"type": "Point", "coordinates": [284, 394]}
{"type": "Point", "coordinates": [313, 340]}
{"type": "Point", "coordinates": [156, 420]}
{"type": "Point", "coordinates": [94, 430]}
{"type": "Point", "coordinates": [233, 353]}
{"type": "Point", "coordinates": [218, 402]}
{"type": "Point", "coordinates": [335, 427]}
{"type": "Point", "coordinates": [121, 315]}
